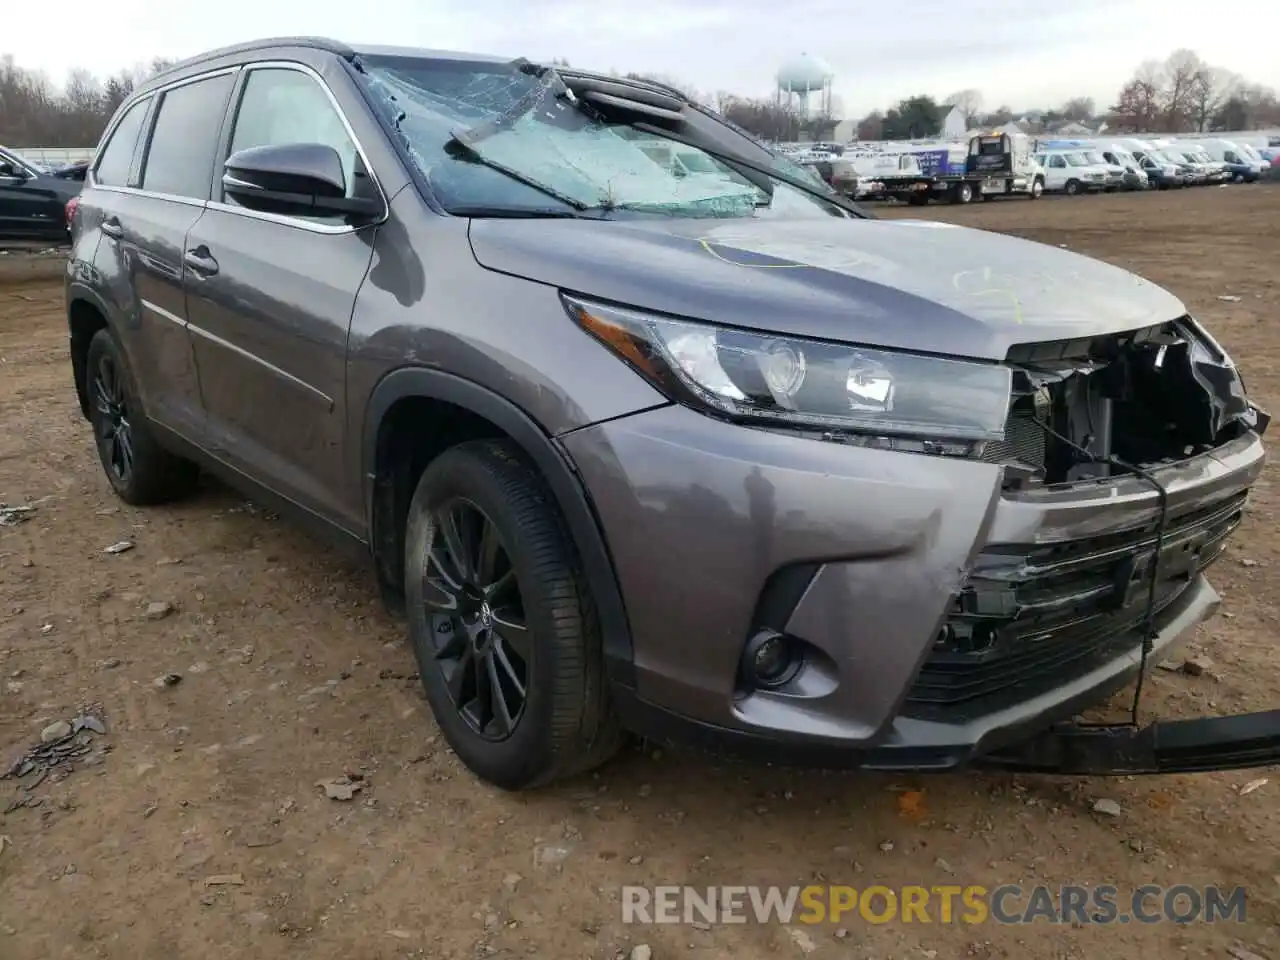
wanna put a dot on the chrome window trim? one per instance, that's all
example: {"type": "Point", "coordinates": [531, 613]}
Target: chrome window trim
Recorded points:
{"type": "Point", "coordinates": [154, 195]}
{"type": "Point", "coordinates": [287, 221]}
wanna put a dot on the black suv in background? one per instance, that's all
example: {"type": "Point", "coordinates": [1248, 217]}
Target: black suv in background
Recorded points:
{"type": "Point", "coordinates": [33, 202]}
{"type": "Point", "coordinates": [701, 451]}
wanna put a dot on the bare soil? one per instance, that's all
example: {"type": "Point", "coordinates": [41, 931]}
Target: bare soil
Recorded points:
{"type": "Point", "coordinates": [292, 673]}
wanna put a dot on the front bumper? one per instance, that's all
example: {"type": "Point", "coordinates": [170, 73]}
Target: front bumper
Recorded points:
{"type": "Point", "coordinates": [717, 530]}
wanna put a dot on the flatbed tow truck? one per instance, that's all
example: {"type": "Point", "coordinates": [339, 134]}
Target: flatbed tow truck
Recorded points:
{"type": "Point", "coordinates": [996, 164]}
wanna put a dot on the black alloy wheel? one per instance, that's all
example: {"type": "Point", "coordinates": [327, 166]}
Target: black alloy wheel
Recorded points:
{"type": "Point", "coordinates": [476, 611]}
{"type": "Point", "coordinates": [111, 420]}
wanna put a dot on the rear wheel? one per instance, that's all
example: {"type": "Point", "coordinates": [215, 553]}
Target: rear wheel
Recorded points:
{"type": "Point", "coordinates": [138, 468]}
{"type": "Point", "coordinates": [962, 193]}
{"type": "Point", "coordinates": [502, 622]}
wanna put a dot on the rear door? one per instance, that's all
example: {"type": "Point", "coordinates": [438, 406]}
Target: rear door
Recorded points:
{"type": "Point", "coordinates": [144, 226]}
{"type": "Point", "coordinates": [270, 302]}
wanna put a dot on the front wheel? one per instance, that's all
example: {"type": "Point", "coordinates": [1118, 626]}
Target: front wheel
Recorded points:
{"type": "Point", "coordinates": [1073, 187]}
{"type": "Point", "coordinates": [1037, 189]}
{"type": "Point", "coordinates": [502, 622]}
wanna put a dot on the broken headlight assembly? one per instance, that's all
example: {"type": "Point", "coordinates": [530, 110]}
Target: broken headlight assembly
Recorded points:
{"type": "Point", "coordinates": [861, 395]}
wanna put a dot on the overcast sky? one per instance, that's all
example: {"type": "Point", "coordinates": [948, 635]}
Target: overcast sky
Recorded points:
{"type": "Point", "coordinates": [1021, 53]}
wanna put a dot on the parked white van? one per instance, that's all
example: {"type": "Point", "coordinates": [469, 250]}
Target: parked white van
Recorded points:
{"type": "Point", "coordinates": [1067, 171]}
{"type": "Point", "coordinates": [1240, 165]}
{"type": "Point", "coordinates": [1135, 176]}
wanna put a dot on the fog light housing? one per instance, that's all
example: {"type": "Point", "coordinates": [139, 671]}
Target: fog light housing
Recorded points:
{"type": "Point", "coordinates": [769, 660]}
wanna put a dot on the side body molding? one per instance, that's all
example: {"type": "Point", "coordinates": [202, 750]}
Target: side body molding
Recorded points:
{"type": "Point", "coordinates": [552, 462]}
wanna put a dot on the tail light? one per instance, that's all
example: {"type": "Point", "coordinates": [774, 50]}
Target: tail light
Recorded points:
{"type": "Point", "coordinates": [72, 206]}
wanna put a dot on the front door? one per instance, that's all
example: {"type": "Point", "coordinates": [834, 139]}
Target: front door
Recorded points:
{"type": "Point", "coordinates": [270, 300]}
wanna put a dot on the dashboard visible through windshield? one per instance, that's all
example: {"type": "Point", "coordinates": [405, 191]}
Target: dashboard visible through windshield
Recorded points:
{"type": "Point", "coordinates": [507, 136]}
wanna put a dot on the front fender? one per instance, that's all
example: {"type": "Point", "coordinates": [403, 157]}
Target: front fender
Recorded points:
{"type": "Point", "coordinates": [551, 461]}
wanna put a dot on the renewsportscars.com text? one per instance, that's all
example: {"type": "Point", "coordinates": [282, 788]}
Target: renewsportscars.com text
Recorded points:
{"type": "Point", "coordinates": [972, 904]}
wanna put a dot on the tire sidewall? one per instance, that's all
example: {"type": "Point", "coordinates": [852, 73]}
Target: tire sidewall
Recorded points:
{"type": "Point", "coordinates": [104, 343]}
{"type": "Point", "coordinates": [528, 748]}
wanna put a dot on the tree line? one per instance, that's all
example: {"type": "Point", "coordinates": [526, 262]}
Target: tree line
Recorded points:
{"type": "Point", "coordinates": [36, 113]}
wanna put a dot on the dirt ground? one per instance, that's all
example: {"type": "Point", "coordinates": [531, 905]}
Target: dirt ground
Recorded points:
{"type": "Point", "coordinates": [292, 673]}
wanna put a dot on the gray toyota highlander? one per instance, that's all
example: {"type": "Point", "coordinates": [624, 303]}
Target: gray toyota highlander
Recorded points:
{"type": "Point", "coordinates": [699, 451]}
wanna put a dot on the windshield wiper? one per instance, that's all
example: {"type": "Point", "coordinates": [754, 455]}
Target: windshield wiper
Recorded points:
{"type": "Point", "coordinates": [459, 144]}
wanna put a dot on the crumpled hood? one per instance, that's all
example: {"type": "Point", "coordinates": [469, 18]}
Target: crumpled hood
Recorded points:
{"type": "Point", "coordinates": [910, 284]}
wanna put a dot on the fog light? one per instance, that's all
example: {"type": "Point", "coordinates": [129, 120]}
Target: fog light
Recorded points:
{"type": "Point", "coordinates": [770, 659]}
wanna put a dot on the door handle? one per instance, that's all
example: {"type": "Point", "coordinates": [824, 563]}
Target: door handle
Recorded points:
{"type": "Point", "coordinates": [111, 227]}
{"type": "Point", "coordinates": [200, 262]}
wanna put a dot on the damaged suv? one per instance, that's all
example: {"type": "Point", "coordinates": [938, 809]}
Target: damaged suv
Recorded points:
{"type": "Point", "coordinates": [704, 453]}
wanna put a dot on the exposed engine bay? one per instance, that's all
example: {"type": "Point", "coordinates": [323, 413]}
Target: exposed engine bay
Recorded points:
{"type": "Point", "coordinates": [1102, 407]}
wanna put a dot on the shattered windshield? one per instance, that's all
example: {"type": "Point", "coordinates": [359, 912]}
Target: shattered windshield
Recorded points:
{"type": "Point", "coordinates": [495, 135]}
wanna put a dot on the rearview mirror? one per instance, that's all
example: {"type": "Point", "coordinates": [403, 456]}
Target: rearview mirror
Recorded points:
{"type": "Point", "coordinates": [293, 179]}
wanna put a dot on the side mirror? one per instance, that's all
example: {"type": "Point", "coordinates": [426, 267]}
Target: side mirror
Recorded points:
{"type": "Point", "coordinates": [293, 179]}
{"type": "Point", "coordinates": [12, 171]}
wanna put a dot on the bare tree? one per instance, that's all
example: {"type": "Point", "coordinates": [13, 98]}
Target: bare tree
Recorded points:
{"type": "Point", "coordinates": [1078, 110]}
{"type": "Point", "coordinates": [1179, 76]}
{"type": "Point", "coordinates": [1000, 115]}
{"type": "Point", "coordinates": [1138, 105]}
{"type": "Point", "coordinates": [969, 102]}
{"type": "Point", "coordinates": [35, 114]}
{"type": "Point", "coordinates": [1210, 89]}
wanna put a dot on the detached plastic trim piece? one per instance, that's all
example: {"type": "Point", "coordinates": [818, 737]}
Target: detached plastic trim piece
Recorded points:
{"type": "Point", "coordinates": [1169, 746]}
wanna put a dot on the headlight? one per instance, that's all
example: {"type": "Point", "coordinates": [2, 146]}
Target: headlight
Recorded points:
{"type": "Point", "coordinates": [789, 381]}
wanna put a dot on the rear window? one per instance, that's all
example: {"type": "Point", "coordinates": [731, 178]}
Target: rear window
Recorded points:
{"type": "Point", "coordinates": [185, 138]}
{"type": "Point", "coordinates": [116, 157]}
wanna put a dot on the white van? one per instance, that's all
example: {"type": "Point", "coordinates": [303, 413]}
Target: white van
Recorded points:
{"type": "Point", "coordinates": [1135, 176]}
{"type": "Point", "coordinates": [1242, 167]}
{"type": "Point", "coordinates": [1067, 171]}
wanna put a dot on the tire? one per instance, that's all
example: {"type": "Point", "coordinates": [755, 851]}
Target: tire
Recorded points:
{"type": "Point", "coordinates": [1037, 189]}
{"type": "Point", "coordinates": [918, 199]}
{"type": "Point", "coordinates": [139, 470]}
{"type": "Point", "coordinates": [1072, 188]}
{"type": "Point", "coordinates": [962, 193]}
{"type": "Point", "coordinates": [565, 724]}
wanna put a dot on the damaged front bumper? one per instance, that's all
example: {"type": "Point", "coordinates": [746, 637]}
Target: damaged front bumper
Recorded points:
{"type": "Point", "coordinates": [944, 612]}
{"type": "Point", "coordinates": [1166, 746]}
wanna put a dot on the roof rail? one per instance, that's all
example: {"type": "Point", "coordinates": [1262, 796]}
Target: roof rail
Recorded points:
{"type": "Point", "coordinates": [315, 43]}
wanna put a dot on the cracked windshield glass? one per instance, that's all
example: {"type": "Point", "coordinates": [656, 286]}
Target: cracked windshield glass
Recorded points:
{"type": "Point", "coordinates": [493, 136]}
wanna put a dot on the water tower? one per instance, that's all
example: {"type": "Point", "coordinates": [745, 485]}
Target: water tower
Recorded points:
{"type": "Point", "coordinates": [804, 83]}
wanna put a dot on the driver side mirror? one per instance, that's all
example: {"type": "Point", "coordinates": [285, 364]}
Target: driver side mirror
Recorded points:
{"type": "Point", "coordinates": [293, 179]}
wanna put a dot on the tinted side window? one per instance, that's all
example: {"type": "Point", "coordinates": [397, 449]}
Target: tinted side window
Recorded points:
{"type": "Point", "coordinates": [185, 138]}
{"type": "Point", "coordinates": [116, 156]}
{"type": "Point", "coordinates": [281, 106]}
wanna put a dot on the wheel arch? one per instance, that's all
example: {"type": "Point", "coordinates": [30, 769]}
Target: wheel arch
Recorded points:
{"type": "Point", "coordinates": [385, 529]}
{"type": "Point", "coordinates": [87, 313]}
